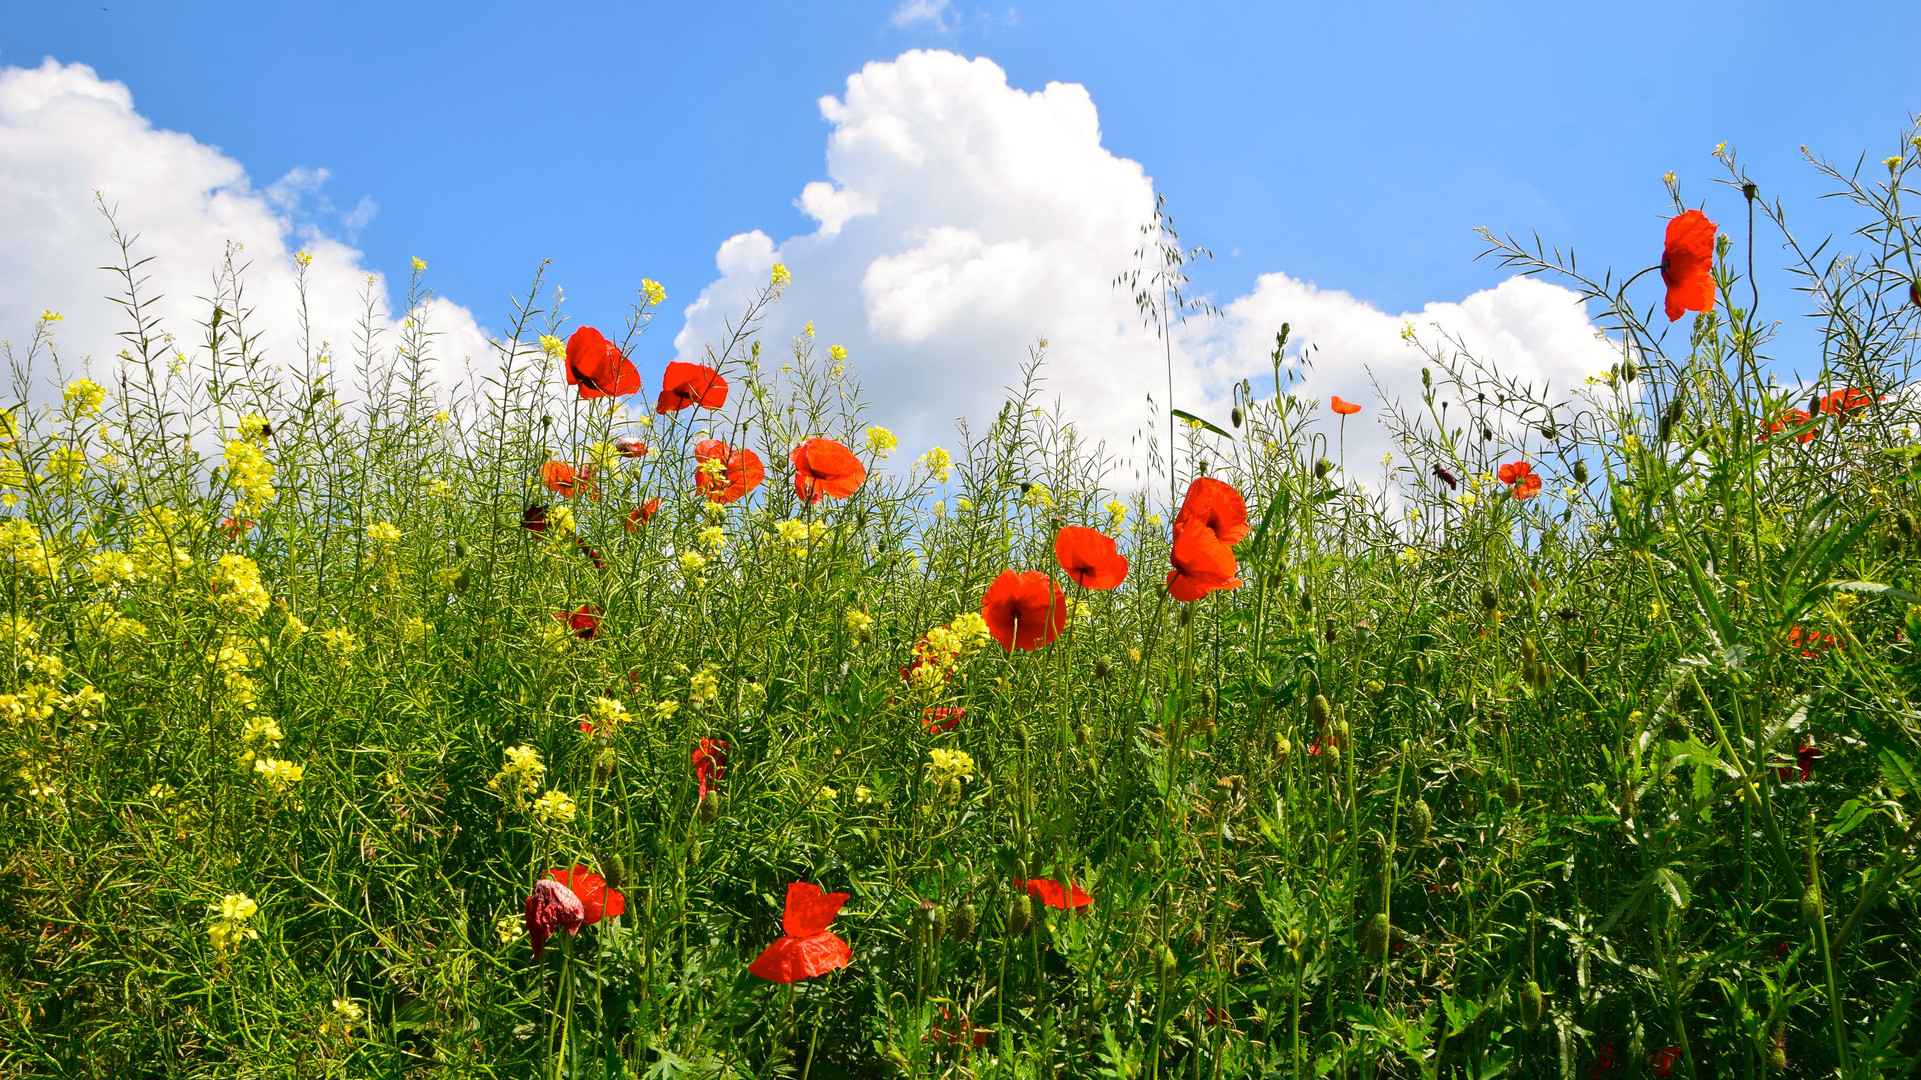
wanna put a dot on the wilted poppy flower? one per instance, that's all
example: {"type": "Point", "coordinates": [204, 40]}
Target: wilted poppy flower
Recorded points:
{"type": "Point", "coordinates": [738, 473]}
{"type": "Point", "coordinates": [1089, 557]}
{"type": "Point", "coordinates": [551, 906]}
{"type": "Point", "coordinates": [592, 555]}
{"type": "Point", "coordinates": [584, 621]}
{"type": "Point", "coordinates": [1843, 402]}
{"type": "Point", "coordinates": [643, 514]}
{"type": "Point", "coordinates": [807, 947]}
{"type": "Point", "coordinates": [1049, 892]}
{"type": "Point", "coordinates": [1794, 418]}
{"type": "Point", "coordinates": [1527, 487]}
{"type": "Point", "coordinates": [1217, 505]}
{"type": "Point", "coordinates": [690, 384]}
{"type": "Point", "coordinates": [825, 467]}
{"type": "Point", "coordinates": [1687, 264]}
{"type": "Point", "coordinates": [710, 763]}
{"type": "Point", "coordinates": [1202, 563]}
{"type": "Point", "coordinates": [938, 719]}
{"type": "Point", "coordinates": [1512, 471]}
{"type": "Point", "coordinates": [1345, 408]}
{"type": "Point", "coordinates": [534, 518]}
{"type": "Point", "coordinates": [1024, 611]}
{"type": "Point", "coordinates": [1446, 477]}
{"type": "Point", "coordinates": [630, 447]}
{"type": "Point", "coordinates": [596, 899]}
{"type": "Point", "coordinates": [596, 366]}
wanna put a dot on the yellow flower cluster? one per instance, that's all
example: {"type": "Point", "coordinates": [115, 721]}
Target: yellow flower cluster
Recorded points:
{"type": "Point", "coordinates": [511, 928]}
{"type": "Point", "coordinates": [83, 398]}
{"type": "Point", "coordinates": [341, 644]}
{"type": "Point", "coordinates": [779, 277]}
{"type": "Point", "coordinates": [12, 478]}
{"type": "Point", "coordinates": [704, 685]}
{"type": "Point", "coordinates": [1116, 513]}
{"type": "Point", "coordinates": [881, 441]}
{"type": "Point", "coordinates": [1038, 497]}
{"type": "Point", "coordinates": [552, 346]}
{"type": "Point", "coordinates": [259, 735]}
{"type": "Point", "coordinates": [858, 621]}
{"type": "Point", "coordinates": [232, 924]}
{"type": "Point", "coordinates": [713, 538]}
{"type": "Point", "coordinates": [279, 775]}
{"type": "Point", "coordinates": [938, 462]}
{"type": "Point", "coordinates": [340, 1021]}
{"type": "Point", "coordinates": [67, 464]}
{"type": "Point", "coordinates": [652, 293]}
{"type": "Point", "coordinates": [23, 545]}
{"type": "Point", "coordinates": [384, 533]}
{"type": "Point", "coordinates": [237, 588]}
{"type": "Point", "coordinates": [521, 775]}
{"type": "Point", "coordinates": [799, 535]}
{"type": "Point", "coordinates": [250, 474]}
{"type": "Point", "coordinates": [554, 808]}
{"type": "Point", "coordinates": [837, 353]}
{"type": "Point", "coordinates": [608, 715]}
{"type": "Point", "coordinates": [947, 770]}
{"type": "Point", "coordinates": [155, 555]}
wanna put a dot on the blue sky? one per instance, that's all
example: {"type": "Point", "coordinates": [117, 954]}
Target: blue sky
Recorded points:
{"type": "Point", "coordinates": [1354, 146]}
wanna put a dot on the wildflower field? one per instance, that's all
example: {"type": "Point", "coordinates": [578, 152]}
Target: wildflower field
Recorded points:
{"type": "Point", "coordinates": [587, 723]}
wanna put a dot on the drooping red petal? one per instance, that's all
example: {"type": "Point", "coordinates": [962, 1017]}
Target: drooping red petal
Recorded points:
{"type": "Point", "coordinates": [690, 384]}
{"type": "Point", "coordinates": [791, 959]}
{"type": "Point", "coordinates": [1049, 892]}
{"type": "Point", "coordinates": [590, 887]}
{"type": "Point", "coordinates": [1090, 557]}
{"type": "Point", "coordinates": [809, 910]}
{"type": "Point", "coordinates": [1687, 264]}
{"type": "Point", "coordinates": [549, 907]}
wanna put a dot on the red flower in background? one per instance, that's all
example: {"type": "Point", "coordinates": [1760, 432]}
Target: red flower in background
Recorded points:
{"type": "Point", "coordinates": [740, 471]}
{"type": "Point", "coordinates": [1843, 402]}
{"type": "Point", "coordinates": [690, 384]}
{"type": "Point", "coordinates": [1345, 408]}
{"type": "Point", "coordinates": [938, 719]}
{"type": "Point", "coordinates": [560, 478]}
{"type": "Point", "coordinates": [234, 527]}
{"type": "Point", "coordinates": [630, 447]}
{"type": "Point", "coordinates": [1049, 892]}
{"type": "Point", "coordinates": [1513, 471]}
{"type": "Point", "coordinates": [1687, 264]}
{"type": "Point", "coordinates": [643, 514]}
{"type": "Point", "coordinates": [597, 367]}
{"type": "Point", "coordinates": [549, 907]}
{"type": "Point", "coordinates": [806, 947]}
{"type": "Point", "coordinates": [1603, 1059]}
{"type": "Point", "coordinates": [1528, 487]}
{"type": "Point", "coordinates": [825, 467]}
{"type": "Point", "coordinates": [1794, 418]}
{"type": "Point", "coordinates": [1202, 563]}
{"type": "Point", "coordinates": [534, 518]}
{"type": "Point", "coordinates": [1089, 557]}
{"type": "Point", "coordinates": [1810, 642]}
{"type": "Point", "coordinates": [596, 899]}
{"type": "Point", "coordinates": [1661, 1062]}
{"type": "Point", "coordinates": [1024, 611]}
{"type": "Point", "coordinates": [710, 763]}
{"type": "Point", "coordinates": [1803, 762]}
{"type": "Point", "coordinates": [591, 555]}
{"type": "Point", "coordinates": [584, 621]}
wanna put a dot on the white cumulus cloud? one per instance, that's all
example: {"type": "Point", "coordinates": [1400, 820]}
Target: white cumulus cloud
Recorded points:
{"type": "Point", "coordinates": [67, 134]}
{"type": "Point", "coordinates": [963, 219]}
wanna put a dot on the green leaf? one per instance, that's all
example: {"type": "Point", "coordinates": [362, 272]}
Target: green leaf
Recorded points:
{"type": "Point", "coordinates": [1182, 414]}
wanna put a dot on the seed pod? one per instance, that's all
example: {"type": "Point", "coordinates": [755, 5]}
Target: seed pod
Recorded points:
{"type": "Point", "coordinates": [1487, 433]}
{"type": "Point", "coordinates": [1630, 370]}
{"type": "Point", "coordinates": [1427, 380]}
{"type": "Point", "coordinates": [1549, 432]}
{"type": "Point", "coordinates": [929, 913]}
{"type": "Point", "coordinates": [1329, 631]}
{"type": "Point", "coordinates": [1533, 1004]}
{"type": "Point", "coordinates": [1020, 914]}
{"type": "Point", "coordinates": [462, 580]}
{"type": "Point", "coordinates": [1489, 600]}
{"type": "Point", "coordinates": [960, 924]}
{"type": "Point", "coordinates": [1318, 711]}
{"type": "Point", "coordinates": [1580, 472]}
{"type": "Point", "coordinates": [1420, 819]}
{"type": "Point", "coordinates": [1374, 937]}
{"type": "Point", "coordinates": [709, 807]}
{"type": "Point", "coordinates": [1307, 600]}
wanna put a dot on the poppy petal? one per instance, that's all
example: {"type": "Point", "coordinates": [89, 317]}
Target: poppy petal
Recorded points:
{"type": "Point", "coordinates": [1687, 264]}
{"type": "Point", "coordinates": [1089, 557]}
{"type": "Point", "coordinates": [809, 910]}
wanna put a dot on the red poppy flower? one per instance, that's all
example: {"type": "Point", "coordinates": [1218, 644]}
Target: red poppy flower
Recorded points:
{"type": "Point", "coordinates": [596, 899]}
{"type": "Point", "coordinates": [710, 763]}
{"type": "Point", "coordinates": [1218, 506]}
{"type": "Point", "coordinates": [560, 477]}
{"type": "Point", "coordinates": [1804, 760]}
{"type": "Point", "coordinates": [1024, 611]}
{"type": "Point", "coordinates": [584, 621]}
{"type": "Point", "coordinates": [1512, 471]}
{"type": "Point", "coordinates": [1661, 1062]}
{"type": "Point", "coordinates": [1345, 408]}
{"type": "Point", "coordinates": [1914, 293]}
{"type": "Point", "coordinates": [1687, 264]}
{"type": "Point", "coordinates": [806, 947]}
{"type": "Point", "coordinates": [549, 907]}
{"type": "Point", "coordinates": [939, 719]}
{"type": "Point", "coordinates": [825, 467]}
{"type": "Point", "coordinates": [1810, 642]}
{"type": "Point", "coordinates": [596, 366]}
{"type": "Point", "coordinates": [233, 527]}
{"type": "Point", "coordinates": [1202, 563]}
{"type": "Point", "coordinates": [1845, 401]}
{"type": "Point", "coordinates": [630, 447]}
{"type": "Point", "coordinates": [534, 518]}
{"type": "Point", "coordinates": [1528, 487]}
{"type": "Point", "coordinates": [1604, 1059]}
{"type": "Point", "coordinates": [741, 471]}
{"type": "Point", "coordinates": [690, 384]}
{"type": "Point", "coordinates": [1049, 892]}
{"type": "Point", "coordinates": [965, 1033]}
{"type": "Point", "coordinates": [643, 514]}
{"type": "Point", "coordinates": [1794, 418]}
{"type": "Point", "coordinates": [1089, 557]}
{"type": "Point", "coordinates": [586, 727]}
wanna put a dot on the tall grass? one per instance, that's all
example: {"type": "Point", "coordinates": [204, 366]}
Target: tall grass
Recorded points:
{"type": "Point", "coordinates": [1615, 780]}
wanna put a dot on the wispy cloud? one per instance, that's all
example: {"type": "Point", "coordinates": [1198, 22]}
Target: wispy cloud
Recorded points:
{"type": "Point", "coordinates": [913, 12]}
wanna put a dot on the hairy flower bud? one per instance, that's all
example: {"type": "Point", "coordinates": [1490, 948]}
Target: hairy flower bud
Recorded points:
{"type": "Point", "coordinates": [1374, 936]}
{"type": "Point", "coordinates": [960, 924]}
{"type": "Point", "coordinates": [1533, 1004]}
{"type": "Point", "coordinates": [1420, 819]}
{"type": "Point", "coordinates": [1318, 711]}
{"type": "Point", "coordinates": [1020, 914]}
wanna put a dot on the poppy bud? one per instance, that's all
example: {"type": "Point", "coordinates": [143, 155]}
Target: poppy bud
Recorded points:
{"type": "Point", "coordinates": [1533, 1004]}
{"type": "Point", "coordinates": [1332, 756]}
{"type": "Point", "coordinates": [1487, 433]}
{"type": "Point", "coordinates": [460, 550]}
{"type": "Point", "coordinates": [1020, 914]}
{"type": "Point", "coordinates": [1488, 599]}
{"type": "Point", "coordinates": [1318, 711]}
{"type": "Point", "coordinates": [1307, 600]}
{"type": "Point", "coordinates": [1374, 937]}
{"type": "Point", "coordinates": [710, 807]}
{"type": "Point", "coordinates": [1778, 1045]}
{"type": "Point", "coordinates": [1187, 614]}
{"type": "Point", "coordinates": [462, 580]}
{"type": "Point", "coordinates": [1166, 965]}
{"type": "Point", "coordinates": [1152, 852]}
{"type": "Point", "coordinates": [1420, 819]}
{"type": "Point", "coordinates": [1549, 432]}
{"type": "Point", "coordinates": [1328, 631]}
{"type": "Point", "coordinates": [1630, 370]}
{"type": "Point", "coordinates": [960, 925]}
{"type": "Point", "coordinates": [1235, 416]}
{"type": "Point", "coordinates": [615, 871]}
{"type": "Point", "coordinates": [1580, 472]}
{"type": "Point", "coordinates": [1511, 792]}
{"type": "Point", "coordinates": [1282, 748]}
{"type": "Point", "coordinates": [1580, 665]}
{"type": "Point", "coordinates": [1427, 380]}
{"type": "Point", "coordinates": [1083, 735]}
{"type": "Point", "coordinates": [1906, 523]}
{"type": "Point", "coordinates": [1322, 468]}
{"type": "Point", "coordinates": [1811, 906]}
{"type": "Point", "coordinates": [1103, 667]}
{"type": "Point", "coordinates": [546, 421]}
{"type": "Point", "coordinates": [1530, 650]}
{"type": "Point", "coordinates": [929, 913]}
